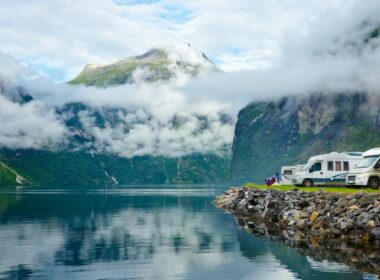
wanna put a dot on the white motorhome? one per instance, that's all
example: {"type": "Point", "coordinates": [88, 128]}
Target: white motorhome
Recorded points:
{"type": "Point", "coordinates": [367, 173]}
{"type": "Point", "coordinates": [328, 169]}
{"type": "Point", "coordinates": [288, 172]}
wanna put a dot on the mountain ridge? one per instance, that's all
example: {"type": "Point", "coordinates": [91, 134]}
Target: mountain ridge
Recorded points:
{"type": "Point", "coordinates": [155, 65]}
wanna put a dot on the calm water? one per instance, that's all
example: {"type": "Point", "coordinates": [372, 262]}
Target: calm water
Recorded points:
{"type": "Point", "coordinates": [150, 232]}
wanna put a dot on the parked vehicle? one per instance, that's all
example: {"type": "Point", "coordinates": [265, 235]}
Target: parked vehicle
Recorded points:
{"type": "Point", "coordinates": [367, 173]}
{"type": "Point", "coordinates": [288, 172]}
{"type": "Point", "coordinates": [328, 169]}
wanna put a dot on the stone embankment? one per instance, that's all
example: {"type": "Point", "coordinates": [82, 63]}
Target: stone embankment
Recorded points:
{"type": "Point", "coordinates": [321, 215]}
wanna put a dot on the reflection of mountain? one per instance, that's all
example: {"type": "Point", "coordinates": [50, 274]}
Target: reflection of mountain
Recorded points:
{"type": "Point", "coordinates": [169, 234]}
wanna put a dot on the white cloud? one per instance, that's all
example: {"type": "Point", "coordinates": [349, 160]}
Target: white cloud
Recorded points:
{"type": "Point", "coordinates": [159, 133]}
{"type": "Point", "coordinates": [296, 47]}
{"type": "Point", "coordinates": [60, 37]}
{"type": "Point", "coordinates": [30, 125]}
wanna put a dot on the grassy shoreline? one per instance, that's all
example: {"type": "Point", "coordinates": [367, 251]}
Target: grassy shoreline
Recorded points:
{"type": "Point", "coordinates": [314, 189]}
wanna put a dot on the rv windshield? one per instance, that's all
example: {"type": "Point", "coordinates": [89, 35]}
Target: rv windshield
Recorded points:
{"type": "Point", "coordinates": [367, 162]}
{"type": "Point", "coordinates": [306, 166]}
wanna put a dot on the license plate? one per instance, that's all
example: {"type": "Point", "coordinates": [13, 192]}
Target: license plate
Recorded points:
{"type": "Point", "coordinates": [351, 182]}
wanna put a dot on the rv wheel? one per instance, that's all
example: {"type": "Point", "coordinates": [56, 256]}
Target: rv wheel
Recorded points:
{"type": "Point", "coordinates": [307, 183]}
{"type": "Point", "coordinates": [373, 183]}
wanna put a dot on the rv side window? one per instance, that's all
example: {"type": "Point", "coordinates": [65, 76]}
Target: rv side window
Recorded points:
{"type": "Point", "coordinates": [316, 167]}
{"type": "Point", "coordinates": [288, 172]}
{"type": "Point", "coordinates": [330, 166]}
{"type": "Point", "coordinates": [346, 166]}
{"type": "Point", "coordinates": [338, 166]}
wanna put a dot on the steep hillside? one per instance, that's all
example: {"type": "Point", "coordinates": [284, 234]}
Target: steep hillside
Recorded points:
{"type": "Point", "coordinates": [270, 134]}
{"type": "Point", "coordinates": [6, 176]}
{"type": "Point", "coordinates": [152, 66]}
{"type": "Point", "coordinates": [10, 177]}
{"type": "Point", "coordinates": [82, 168]}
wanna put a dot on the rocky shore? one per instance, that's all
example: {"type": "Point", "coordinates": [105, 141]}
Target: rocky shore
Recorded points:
{"type": "Point", "coordinates": [335, 226]}
{"type": "Point", "coordinates": [321, 215]}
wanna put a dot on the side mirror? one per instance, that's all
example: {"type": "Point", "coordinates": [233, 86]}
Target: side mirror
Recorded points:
{"type": "Point", "coordinates": [311, 170]}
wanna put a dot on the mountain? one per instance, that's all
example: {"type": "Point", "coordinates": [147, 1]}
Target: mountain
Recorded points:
{"type": "Point", "coordinates": [85, 161]}
{"type": "Point", "coordinates": [70, 168]}
{"type": "Point", "coordinates": [153, 66]}
{"type": "Point", "coordinates": [288, 131]}
{"type": "Point", "coordinates": [79, 164]}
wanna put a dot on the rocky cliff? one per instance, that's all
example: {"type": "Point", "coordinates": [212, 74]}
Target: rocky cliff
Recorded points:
{"type": "Point", "coordinates": [288, 131]}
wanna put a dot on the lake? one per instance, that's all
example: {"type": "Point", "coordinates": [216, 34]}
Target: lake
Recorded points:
{"type": "Point", "coordinates": [142, 232]}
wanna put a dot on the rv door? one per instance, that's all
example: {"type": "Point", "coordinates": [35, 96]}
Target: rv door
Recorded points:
{"type": "Point", "coordinates": [316, 173]}
{"type": "Point", "coordinates": [316, 168]}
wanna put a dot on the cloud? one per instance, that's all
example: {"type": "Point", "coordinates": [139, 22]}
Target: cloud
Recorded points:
{"type": "Point", "coordinates": [25, 124]}
{"type": "Point", "coordinates": [143, 119]}
{"type": "Point", "coordinates": [62, 36]}
{"type": "Point", "coordinates": [29, 125]}
{"type": "Point", "coordinates": [293, 49]}
{"type": "Point", "coordinates": [159, 132]}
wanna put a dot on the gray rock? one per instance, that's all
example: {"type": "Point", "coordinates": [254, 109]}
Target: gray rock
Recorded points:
{"type": "Point", "coordinates": [346, 226]}
{"type": "Point", "coordinates": [375, 233]}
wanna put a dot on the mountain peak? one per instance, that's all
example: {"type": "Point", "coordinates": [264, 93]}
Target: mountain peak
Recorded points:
{"type": "Point", "coordinates": [156, 65]}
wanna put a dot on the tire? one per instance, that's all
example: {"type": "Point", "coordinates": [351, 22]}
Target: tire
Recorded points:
{"type": "Point", "coordinates": [307, 183]}
{"type": "Point", "coordinates": [373, 183]}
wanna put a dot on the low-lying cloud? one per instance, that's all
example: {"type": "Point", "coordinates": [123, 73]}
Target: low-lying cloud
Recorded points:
{"type": "Point", "coordinates": [29, 125]}
{"type": "Point", "coordinates": [136, 120]}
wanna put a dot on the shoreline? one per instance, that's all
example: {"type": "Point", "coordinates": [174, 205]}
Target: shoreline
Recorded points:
{"type": "Point", "coordinates": [344, 226]}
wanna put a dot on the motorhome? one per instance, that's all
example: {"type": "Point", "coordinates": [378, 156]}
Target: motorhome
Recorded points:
{"type": "Point", "coordinates": [328, 169]}
{"type": "Point", "coordinates": [367, 173]}
{"type": "Point", "coordinates": [288, 172]}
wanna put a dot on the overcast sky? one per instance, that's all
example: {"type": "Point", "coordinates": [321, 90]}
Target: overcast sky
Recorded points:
{"type": "Point", "coordinates": [59, 37]}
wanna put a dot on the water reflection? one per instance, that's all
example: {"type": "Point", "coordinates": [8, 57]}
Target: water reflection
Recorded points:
{"type": "Point", "coordinates": [140, 233]}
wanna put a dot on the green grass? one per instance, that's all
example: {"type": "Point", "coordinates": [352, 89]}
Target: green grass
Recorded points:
{"type": "Point", "coordinates": [314, 189]}
{"type": "Point", "coordinates": [7, 177]}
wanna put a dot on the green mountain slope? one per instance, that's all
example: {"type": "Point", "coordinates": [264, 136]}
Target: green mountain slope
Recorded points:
{"type": "Point", "coordinates": [81, 168]}
{"type": "Point", "coordinates": [7, 178]}
{"type": "Point", "coordinates": [289, 131]}
{"type": "Point", "coordinates": [154, 65]}
{"type": "Point", "coordinates": [10, 177]}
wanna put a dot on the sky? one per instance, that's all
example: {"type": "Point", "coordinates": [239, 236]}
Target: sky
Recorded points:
{"type": "Point", "coordinates": [57, 38]}
{"type": "Point", "coordinates": [267, 49]}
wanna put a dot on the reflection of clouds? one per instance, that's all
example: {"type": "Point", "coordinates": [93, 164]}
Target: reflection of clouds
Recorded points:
{"type": "Point", "coordinates": [161, 242]}
{"type": "Point", "coordinates": [167, 244]}
{"type": "Point", "coordinates": [328, 266]}
{"type": "Point", "coordinates": [32, 244]}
